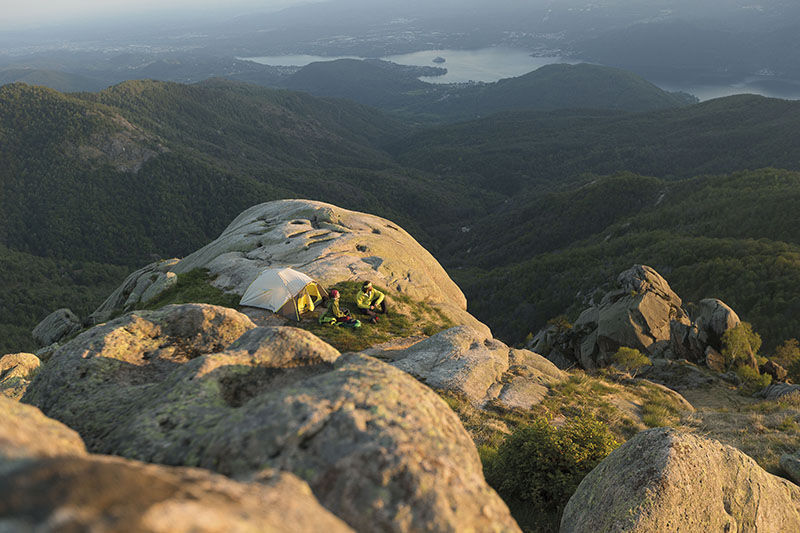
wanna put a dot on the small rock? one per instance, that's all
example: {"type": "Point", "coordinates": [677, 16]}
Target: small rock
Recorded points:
{"type": "Point", "coordinates": [16, 372]}
{"type": "Point", "coordinates": [775, 370]}
{"type": "Point", "coordinates": [714, 360]}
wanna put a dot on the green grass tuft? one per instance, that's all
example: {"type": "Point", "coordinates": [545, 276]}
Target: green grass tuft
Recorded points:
{"type": "Point", "coordinates": [405, 318]}
{"type": "Point", "coordinates": [193, 287]}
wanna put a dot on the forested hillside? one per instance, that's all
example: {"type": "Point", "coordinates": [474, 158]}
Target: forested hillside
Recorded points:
{"type": "Point", "coordinates": [517, 151]}
{"type": "Point", "coordinates": [529, 211]}
{"type": "Point", "coordinates": [559, 86]}
{"type": "Point", "coordinates": [733, 237]}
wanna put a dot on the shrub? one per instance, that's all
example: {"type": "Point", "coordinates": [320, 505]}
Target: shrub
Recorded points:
{"type": "Point", "coordinates": [751, 380]}
{"type": "Point", "coordinates": [630, 359]}
{"type": "Point", "coordinates": [740, 344]}
{"type": "Point", "coordinates": [538, 467]}
{"type": "Point", "coordinates": [788, 356]}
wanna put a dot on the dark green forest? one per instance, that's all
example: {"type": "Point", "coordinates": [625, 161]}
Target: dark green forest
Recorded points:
{"type": "Point", "coordinates": [528, 211]}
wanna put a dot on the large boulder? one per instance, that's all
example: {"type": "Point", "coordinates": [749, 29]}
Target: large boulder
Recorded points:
{"type": "Point", "coordinates": [664, 480]}
{"type": "Point", "coordinates": [110, 494]}
{"type": "Point", "coordinates": [47, 478]}
{"type": "Point", "coordinates": [16, 371]}
{"type": "Point", "coordinates": [790, 463]}
{"type": "Point", "coordinates": [137, 350]}
{"type": "Point", "coordinates": [326, 242]}
{"type": "Point", "coordinates": [26, 433]}
{"type": "Point", "coordinates": [379, 449]}
{"type": "Point", "coordinates": [56, 326]}
{"type": "Point", "coordinates": [712, 319]}
{"type": "Point", "coordinates": [466, 361]}
{"type": "Point", "coordinates": [637, 314]}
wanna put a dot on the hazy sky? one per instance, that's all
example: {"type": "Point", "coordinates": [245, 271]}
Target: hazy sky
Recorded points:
{"type": "Point", "coordinates": [35, 12]}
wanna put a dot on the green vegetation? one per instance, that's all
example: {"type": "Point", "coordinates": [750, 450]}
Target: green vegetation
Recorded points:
{"type": "Point", "coordinates": [193, 287]}
{"type": "Point", "coordinates": [32, 287]}
{"type": "Point", "coordinates": [788, 356]}
{"type": "Point", "coordinates": [751, 380]}
{"type": "Point", "coordinates": [630, 360]}
{"type": "Point", "coordinates": [740, 346]}
{"type": "Point", "coordinates": [539, 466]}
{"type": "Point", "coordinates": [405, 318]}
{"type": "Point", "coordinates": [552, 204]}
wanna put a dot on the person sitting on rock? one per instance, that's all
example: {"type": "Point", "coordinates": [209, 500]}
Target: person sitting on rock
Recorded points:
{"type": "Point", "coordinates": [370, 301]}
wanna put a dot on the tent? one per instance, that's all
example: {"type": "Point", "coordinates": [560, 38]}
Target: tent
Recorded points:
{"type": "Point", "coordinates": [284, 291]}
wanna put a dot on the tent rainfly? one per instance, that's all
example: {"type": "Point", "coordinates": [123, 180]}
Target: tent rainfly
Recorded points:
{"type": "Point", "coordinates": [284, 291]}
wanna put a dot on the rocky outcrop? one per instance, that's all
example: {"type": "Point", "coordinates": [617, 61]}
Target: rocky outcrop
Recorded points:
{"type": "Point", "coordinates": [775, 370]}
{"type": "Point", "coordinates": [664, 480]}
{"type": "Point", "coordinates": [56, 326]}
{"type": "Point", "coordinates": [644, 313]}
{"type": "Point", "coordinates": [712, 319]}
{"type": "Point", "coordinates": [16, 371]}
{"type": "Point", "coordinates": [637, 314]}
{"type": "Point", "coordinates": [482, 369]}
{"type": "Point", "coordinates": [790, 463]}
{"type": "Point", "coordinates": [326, 242]}
{"type": "Point", "coordinates": [133, 289]}
{"type": "Point", "coordinates": [776, 391]}
{"type": "Point", "coordinates": [48, 482]}
{"type": "Point", "coordinates": [379, 449]}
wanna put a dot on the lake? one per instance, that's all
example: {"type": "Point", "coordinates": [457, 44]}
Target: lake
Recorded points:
{"type": "Point", "coordinates": [485, 64]}
{"type": "Point", "coordinates": [495, 63]}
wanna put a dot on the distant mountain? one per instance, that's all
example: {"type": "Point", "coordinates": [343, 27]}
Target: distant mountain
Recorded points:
{"type": "Point", "coordinates": [559, 86]}
{"type": "Point", "coordinates": [368, 82]}
{"type": "Point", "coordinates": [517, 151]}
{"type": "Point", "coordinates": [551, 87]}
{"type": "Point", "coordinates": [60, 81]}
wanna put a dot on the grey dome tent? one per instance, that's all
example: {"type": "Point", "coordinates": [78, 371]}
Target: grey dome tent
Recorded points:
{"type": "Point", "coordinates": [284, 291]}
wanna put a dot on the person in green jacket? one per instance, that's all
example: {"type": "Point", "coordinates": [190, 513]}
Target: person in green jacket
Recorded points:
{"type": "Point", "coordinates": [333, 314]}
{"type": "Point", "coordinates": [370, 301]}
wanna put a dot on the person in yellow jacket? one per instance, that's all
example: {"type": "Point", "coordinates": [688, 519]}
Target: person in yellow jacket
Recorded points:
{"type": "Point", "coordinates": [370, 301]}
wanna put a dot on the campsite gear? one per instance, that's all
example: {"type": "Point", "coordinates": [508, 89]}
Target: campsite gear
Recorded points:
{"type": "Point", "coordinates": [284, 291]}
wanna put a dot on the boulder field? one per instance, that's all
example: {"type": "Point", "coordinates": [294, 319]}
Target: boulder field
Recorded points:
{"type": "Point", "coordinates": [198, 385]}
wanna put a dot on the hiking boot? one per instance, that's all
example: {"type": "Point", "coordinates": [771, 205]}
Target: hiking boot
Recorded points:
{"type": "Point", "coordinates": [374, 320]}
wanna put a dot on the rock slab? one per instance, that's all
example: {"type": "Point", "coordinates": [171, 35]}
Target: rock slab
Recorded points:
{"type": "Point", "coordinates": [664, 480]}
{"type": "Point", "coordinates": [482, 369]}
